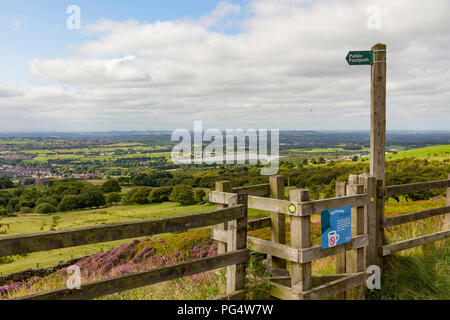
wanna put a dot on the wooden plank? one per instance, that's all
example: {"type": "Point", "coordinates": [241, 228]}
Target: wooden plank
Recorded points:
{"type": "Point", "coordinates": [335, 287]}
{"type": "Point", "coordinates": [447, 217]}
{"type": "Point", "coordinates": [413, 187]}
{"type": "Point", "coordinates": [237, 295]}
{"type": "Point", "coordinates": [316, 252]}
{"type": "Point", "coordinates": [278, 230]}
{"type": "Point", "coordinates": [419, 215]}
{"type": "Point", "coordinates": [379, 230]}
{"type": "Point", "coordinates": [82, 236]}
{"type": "Point", "coordinates": [257, 224]}
{"type": "Point", "coordinates": [256, 190]}
{"type": "Point", "coordinates": [294, 254]}
{"type": "Point", "coordinates": [237, 240]}
{"type": "Point", "coordinates": [219, 235]}
{"type": "Point", "coordinates": [355, 258]}
{"type": "Point", "coordinates": [341, 191]}
{"type": "Point", "coordinates": [222, 197]}
{"type": "Point", "coordinates": [415, 242]}
{"type": "Point", "coordinates": [141, 279]}
{"type": "Point", "coordinates": [370, 218]}
{"type": "Point", "coordinates": [283, 292]}
{"type": "Point", "coordinates": [267, 204]}
{"type": "Point", "coordinates": [275, 249]}
{"type": "Point", "coordinates": [222, 186]}
{"type": "Point", "coordinates": [301, 273]}
{"type": "Point", "coordinates": [378, 112]}
{"type": "Point", "coordinates": [317, 206]}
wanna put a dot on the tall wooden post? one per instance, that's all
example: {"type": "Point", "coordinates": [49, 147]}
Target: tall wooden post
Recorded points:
{"type": "Point", "coordinates": [237, 240]}
{"type": "Point", "coordinates": [379, 230]}
{"type": "Point", "coordinates": [378, 112]}
{"type": "Point", "coordinates": [447, 216]}
{"type": "Point", "coordinates": [222, 186]}
{"type": "Point", "coordinates": [370, 218]}
{"type": "Point", "coordinates": [278, 219]}
{"type": "Point", "coordinates": [340, 257]}
{"type": "Point", "coordinates": [301, 273]}
{"type": "Point", "coordinates": [355, 258]}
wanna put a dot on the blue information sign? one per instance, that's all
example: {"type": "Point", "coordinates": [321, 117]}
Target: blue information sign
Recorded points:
{"type": "Point", "coordinates": [336, 227]}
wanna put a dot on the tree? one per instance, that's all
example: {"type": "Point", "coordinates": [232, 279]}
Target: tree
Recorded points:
{"type": "Point", "coordinates": [305, 162]}
{"type": "Point", "coordinates": [69, 202]}
{"type": "Point", "coordinates": [45, 208]}
{"type": "Point", "coordinates": [182, 194]}
{"type": "Point", "coordinates": [137, 195]}
{"type": "Point", "coordinates": [5, 183]}
{"type": "Point", "coordinates": [91, 196]}
{"type": "Point", "coordinates": [159, 195]}
{"type": "Point", "coordinates": [111, 186]}
{"type": "Point", "coordinates": [321, 160]}
{"type": "Point", "coordinates": [199, 195]}
{"type": "Point", "coordinates": [113, 198]}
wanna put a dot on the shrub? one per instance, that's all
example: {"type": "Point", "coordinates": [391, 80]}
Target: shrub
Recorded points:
{"type": "Point", "coordinates": [91, 197]}
{"type": "Point", "coordinates": [45, 208]}
{"type": "Point", "coordinates": [182, 194]}
{"type": "Point", "coordinates": [111, 186]}
{"type": "Point", "coordinates": [25, 210]}
{"type": "Point", "coordinates": [199, 195]}
{"type": "Point", "coordinates": [69, 202]}
{"type": "Point", "coordinates": [160, 195]}
{"type": "Point", "coordinates": [50, 200]}
{"type": "Point", "coordinates": [112, 198]}
{"type": "Point", "coordinates": [137, 195]}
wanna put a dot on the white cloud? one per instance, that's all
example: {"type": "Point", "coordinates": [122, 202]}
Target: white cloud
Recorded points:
{"type": "Point", "coordinates": [286, 60]}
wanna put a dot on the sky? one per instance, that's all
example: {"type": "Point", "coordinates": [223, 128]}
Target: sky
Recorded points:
{"type": "Point", "coordinates": [263, 64]}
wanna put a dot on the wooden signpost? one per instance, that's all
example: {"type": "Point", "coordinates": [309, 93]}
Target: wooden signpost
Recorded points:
{"type": "Point", "coordinates": [374, 219]}
{"type": "Point", "coordinates": [377, 59]}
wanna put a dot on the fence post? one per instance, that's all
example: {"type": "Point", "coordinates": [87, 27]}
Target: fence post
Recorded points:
{"type": "Point", "coordinates": [370, 217]}
{"type": "Point", "coordinates": [340, 257]}
{"type": "Point", "coordinates": [222, 186]}
{"type": "Point", "coordinates": [278, 219]}
{"type": "Point", "coordinates": [447, 216]}
{"type": "Point", "coordinates": [237, 240]}
{"type": "Point", "coordinates": [301, 273]}
{"type": "Point", "coordinates": [379, 230]}
{"type": "Point", "coordinates": [355, 258]}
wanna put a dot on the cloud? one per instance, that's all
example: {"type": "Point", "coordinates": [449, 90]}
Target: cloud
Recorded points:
{"type": "Point", "coordinates": [286, 59]}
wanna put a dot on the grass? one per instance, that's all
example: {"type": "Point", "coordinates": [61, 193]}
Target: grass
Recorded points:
{"type": "Point", "coordinates": [35, 223]}
{"type": "Point", "coordinates": [418, 273]}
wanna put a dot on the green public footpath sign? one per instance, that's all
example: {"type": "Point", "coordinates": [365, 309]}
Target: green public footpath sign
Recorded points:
{"type": "Point", "coordinates": [359, 57]}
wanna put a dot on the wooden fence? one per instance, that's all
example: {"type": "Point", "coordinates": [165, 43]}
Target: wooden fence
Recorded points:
{"type": "Point", "coordinates": [237, 256]}
{"type": "Point", "coordinates": [363, 193]}
{"type": "Point", "coordinates": [388, 249]}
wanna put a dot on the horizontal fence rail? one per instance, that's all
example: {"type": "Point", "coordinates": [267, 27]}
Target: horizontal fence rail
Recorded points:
{"type": "Point", "coordinates": [294, 208]}
{"type": "Point", "coordinates": [413, 187]}
{"type": "Point", "coordinates": [77, 237]}
{"type": "Point", "coordinates": [415, 242]}
{"type": "Point", "coordinates": [141, 279]}
{"type": "Point", "coordinates": [419, 215]}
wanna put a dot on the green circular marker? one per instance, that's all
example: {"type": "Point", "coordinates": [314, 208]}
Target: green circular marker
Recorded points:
{"type": "Point", "coordinates": [292, 208]}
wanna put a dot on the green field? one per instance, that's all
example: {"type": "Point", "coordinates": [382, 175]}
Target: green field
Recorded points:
{"type": "Point", "coordinates": [430, 153]}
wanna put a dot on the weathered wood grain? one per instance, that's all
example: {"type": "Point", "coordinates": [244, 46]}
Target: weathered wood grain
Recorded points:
{"type": "Point", "coordinates": [413, 187]}
{"type": "Point", "coordinates": [77, 237]}
{"type": "Point", "coordinates": [419, 215]}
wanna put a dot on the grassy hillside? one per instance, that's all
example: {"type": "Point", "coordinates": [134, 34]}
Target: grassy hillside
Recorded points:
{"type": "Point", "coordinates": [419, 273]}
